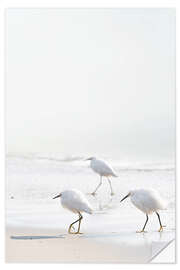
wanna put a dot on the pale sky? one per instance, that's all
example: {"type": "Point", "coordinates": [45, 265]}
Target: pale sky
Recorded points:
{"type": "Point", "coordinates": [91, 81]}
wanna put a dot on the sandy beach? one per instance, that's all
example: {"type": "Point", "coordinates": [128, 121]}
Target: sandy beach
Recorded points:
{"type": "Point", "coordinates": [43, 246]}
{"type": "Point", "coordinates": [37, 246]}
{"type": "Point", "coordinates": [49, 247]}
{"type": "Point", "coordinates": [25, 245]}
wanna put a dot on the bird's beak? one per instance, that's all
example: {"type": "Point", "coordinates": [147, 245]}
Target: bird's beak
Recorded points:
{"type": "Point", "coordinates": [125, 197]}
{"type": "Point", "coordinates": [87, 159]}
{"type": "Point", "coordinates": [57, 196]}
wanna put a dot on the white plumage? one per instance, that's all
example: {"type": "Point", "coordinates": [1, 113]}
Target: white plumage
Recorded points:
{"type": "Point", "coordinates": [75, 201]}
{"type": "Point", "coordinates": [148, 201]}
{"type": "Point", "coordinates": [102, 168]}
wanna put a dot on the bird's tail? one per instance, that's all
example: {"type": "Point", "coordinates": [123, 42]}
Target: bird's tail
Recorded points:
{"type": "Point", "coordinates": [89, 210]}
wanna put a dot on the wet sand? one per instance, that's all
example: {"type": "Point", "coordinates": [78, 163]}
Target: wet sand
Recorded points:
{"type": "Point", "coordinates": [51, 246]}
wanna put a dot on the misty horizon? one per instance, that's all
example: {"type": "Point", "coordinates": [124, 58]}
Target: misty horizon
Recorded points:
{"type": "Point", "coordinates": [91, 82]}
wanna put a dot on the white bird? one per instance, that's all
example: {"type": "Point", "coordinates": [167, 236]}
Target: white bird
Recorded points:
{"type": "Point", "coordinates": [148, 201]}
{"type": "Point", "coordinates": [75, 201]}
{"type": "Point", "coordinates": [102, 168]}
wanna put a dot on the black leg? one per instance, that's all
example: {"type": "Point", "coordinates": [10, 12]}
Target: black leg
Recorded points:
{"type": "Point", "coordinates": [144, 224]}
{"type": "Point", "coordinates": [78, 220]}
{"type": "Point", "coordinates": [159, 219]}
{"type": "Point", "coordinates": [161, 226]}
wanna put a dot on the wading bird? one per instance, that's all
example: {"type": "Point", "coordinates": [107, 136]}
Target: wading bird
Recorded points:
{"type": "Point", "coordinates": [148, 201]}
{"type": "Point", "coordinates": [103, 169]}
{"type": "Point", "coordinates": [76, 202]}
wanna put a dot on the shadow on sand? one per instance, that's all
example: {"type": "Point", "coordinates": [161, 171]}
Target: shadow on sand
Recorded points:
{"type": "Point", "coordinates": [35, 237]}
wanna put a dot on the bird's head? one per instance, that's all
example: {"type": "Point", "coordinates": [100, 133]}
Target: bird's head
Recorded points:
{"type": "Point", "coordinates": [59, 195]}
{"type": "Point", "coordinates": [91, 158]}
{"type": "Point", "coordinates": [129, 194]}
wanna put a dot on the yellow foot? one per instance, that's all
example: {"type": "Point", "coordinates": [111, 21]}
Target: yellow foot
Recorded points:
{"type": "Point", "coordinates": [69, 231]}
{"type": "Point", "coordinates": [112, 193]}
{"type": "Point", "coordinates": [161, 228]}
{"type": "Point", "coordinates": [72, 232]}
{"type": "Point", "coordinates": [141, 231]}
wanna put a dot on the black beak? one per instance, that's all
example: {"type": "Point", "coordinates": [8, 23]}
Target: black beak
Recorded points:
{"type": "Point", "coordinates": [57, 196]}
{"type": "Point", "coordinates": [125, 197]}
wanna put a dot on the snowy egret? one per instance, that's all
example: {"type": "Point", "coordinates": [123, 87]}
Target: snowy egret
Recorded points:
{"type": "Point", "coordinates": [148, 201]}
{"type": "Point", "coordinates": [75, 201]}
{"type": "Point", "coordinates": [102, 168]}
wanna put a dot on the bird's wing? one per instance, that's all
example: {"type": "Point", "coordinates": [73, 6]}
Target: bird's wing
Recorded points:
{"type": "Point", "coordinates": [79, 202]}
{"type": "Point", "coordinates": [150, 200]}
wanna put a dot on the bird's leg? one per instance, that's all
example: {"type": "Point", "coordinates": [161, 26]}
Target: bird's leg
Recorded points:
{"type": "Point", "coordinates": [112, 193]}
{"type": "Point", "coordinates": [144, 225]}
{"type": "Point", "coordinates": [80, 218]}
{"type": "Point", "coordinates": [94, 192]}
{"type": "Point", "coordinates": [161, 226]}
{"type": "Point", "coordinates": [69, 230]}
